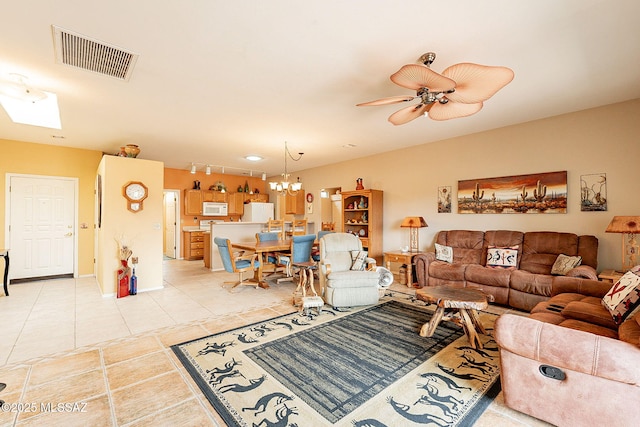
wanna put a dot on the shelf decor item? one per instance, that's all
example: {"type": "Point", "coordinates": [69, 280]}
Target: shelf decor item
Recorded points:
{"type": "Point", "coordinates": [359, 185]}
{"type": "Point", "coordinates": [414, 222]}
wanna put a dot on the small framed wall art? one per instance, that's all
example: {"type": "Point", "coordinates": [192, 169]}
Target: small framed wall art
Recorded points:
{"type": "Point", "coordinates": [444, 199]}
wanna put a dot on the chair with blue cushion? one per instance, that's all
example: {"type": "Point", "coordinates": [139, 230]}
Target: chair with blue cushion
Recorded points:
{"type": "Point", "coordinates": [236, 261]}
{"type": "Point", "coordinates": [300, 256]}
{"type": "Point", "coordinates": [270, 262]}
{"type": "Point", "coordinates": [315, 254]}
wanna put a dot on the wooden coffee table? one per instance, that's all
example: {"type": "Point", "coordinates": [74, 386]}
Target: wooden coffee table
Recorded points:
{"type": "Point", "coordinates": [458, 305]}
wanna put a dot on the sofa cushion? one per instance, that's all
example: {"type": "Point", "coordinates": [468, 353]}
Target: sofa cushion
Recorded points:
{"type": "Point", "coordinates": [629, 331]}
{"type": "Point", "coordinates": [502, 257]}
{"type": "Point", "coordinates": [589, 310]}
{"type": "Point", "coordinates": [540, 249]}
{"type": "Point", "coordinates": [444, 270]}
{"type": "Point", "coordinates": [444, 253]}
{"type": "Point", "coordinates": [536, 284]}
{"type": "Point", "coordinates": [624, 295]}
{"type": "Point", "coordinates": [487, 276]}
{"type": "Point", "coordinates": [564, 263]}
{"type": "Point", "coordinates": [466, 244]}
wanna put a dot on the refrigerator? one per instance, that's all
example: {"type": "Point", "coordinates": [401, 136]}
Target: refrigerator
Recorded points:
{"type": "Point", "coordinates": [258, 212]}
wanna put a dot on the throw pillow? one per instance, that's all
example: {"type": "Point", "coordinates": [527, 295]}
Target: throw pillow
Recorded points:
{"type": "Point", "coordinates": [444, 253]}
{"type": "Point", "coordinates": [506, 257]}
{"type": "Point", "coordinates": [359, 260]}
{"type": "Point", "coordinates": [624, 295]}
{"type": "Point", "coordinates": [564, 263]}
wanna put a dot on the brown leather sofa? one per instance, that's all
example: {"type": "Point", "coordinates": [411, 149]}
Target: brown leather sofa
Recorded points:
{"type": "Point", "coordinates": [522, 288]}
{"type": "Point", "coordinates": [568, 363]}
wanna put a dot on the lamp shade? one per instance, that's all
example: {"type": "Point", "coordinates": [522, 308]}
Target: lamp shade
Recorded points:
{"type": "Point", "coordinates": [624, 224]}
{"type": "Point", "coordinates": [414, 222]}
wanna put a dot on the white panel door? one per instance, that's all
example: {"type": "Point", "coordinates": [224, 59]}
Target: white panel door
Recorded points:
{"type": "Point", "coordinates": [170, 224]}
{"type": "Point", "coordinates": [42, 226]}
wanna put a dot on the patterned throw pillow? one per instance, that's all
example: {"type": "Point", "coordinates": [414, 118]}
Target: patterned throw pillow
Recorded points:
{"type": "Point", "coordinates": [506, 257]}
{"type": "Point", "coordinates": [359, 260]}
{"type": "Point", "coordinates": [444, 253]}
{"type": "Point", "coordinates": [624, 295]}
{"type": "Point", "coordinates": [564, 263]}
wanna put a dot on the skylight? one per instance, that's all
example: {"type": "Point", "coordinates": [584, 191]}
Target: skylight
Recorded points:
{"type": "Point", "coordinates": [44, 113]}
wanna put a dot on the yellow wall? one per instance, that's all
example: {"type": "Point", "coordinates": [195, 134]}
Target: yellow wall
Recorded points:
{"type": "Point", "coordinates": [50, 160]}
{"type": "Point", "coordinates": [600, 140]}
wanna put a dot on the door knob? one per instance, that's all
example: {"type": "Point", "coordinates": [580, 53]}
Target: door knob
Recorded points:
{"type": "Point", "coordinates": [69, 234]}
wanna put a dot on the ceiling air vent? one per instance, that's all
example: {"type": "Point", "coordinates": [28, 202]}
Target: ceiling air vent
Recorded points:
{"type": "Point", "coordinates": [92, 55]}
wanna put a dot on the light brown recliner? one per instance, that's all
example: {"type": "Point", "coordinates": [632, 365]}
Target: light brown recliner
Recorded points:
{"type": "Point", "coordinates": [596, 364]}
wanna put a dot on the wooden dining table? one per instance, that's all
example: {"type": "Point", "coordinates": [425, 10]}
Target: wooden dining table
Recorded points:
{"type": "Point", "coordinates": [260, 248]}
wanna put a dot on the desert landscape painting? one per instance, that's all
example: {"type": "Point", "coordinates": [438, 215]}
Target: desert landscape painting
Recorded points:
{"type": "Point", "coordinates": [533, 193]}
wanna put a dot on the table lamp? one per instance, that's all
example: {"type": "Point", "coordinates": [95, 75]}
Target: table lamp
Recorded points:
{"type": "Point", "coordinates": [414, 222]}
{"type": "Point", "coordinates": [628, 226]}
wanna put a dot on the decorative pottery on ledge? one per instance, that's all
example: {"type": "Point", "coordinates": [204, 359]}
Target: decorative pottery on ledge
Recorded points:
{"type": "Point", "coordinates": [129, 150]}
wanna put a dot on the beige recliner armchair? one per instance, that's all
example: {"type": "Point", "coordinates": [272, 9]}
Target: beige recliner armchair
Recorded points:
{"type": "Point", "coordinates": [341, 286]}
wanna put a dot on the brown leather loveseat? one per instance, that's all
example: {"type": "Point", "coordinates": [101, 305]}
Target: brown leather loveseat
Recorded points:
{"type": "Point", "coordinates": [523, 287]}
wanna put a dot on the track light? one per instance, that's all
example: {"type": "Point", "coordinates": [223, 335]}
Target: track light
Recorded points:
{"type": "Point", "coordinates": [193, 168]}
{"type": "Point", "coordinates": [264, 176]}
{"type": "Point", "coordinates": [208, 170]}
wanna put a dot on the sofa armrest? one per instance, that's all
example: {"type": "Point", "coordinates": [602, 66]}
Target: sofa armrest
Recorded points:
{"type": "Point", "coordinates": [568, 349]}
{"type": "Point", "coordinates": [371, 264]}
{"type": "Point", "coordinates": [584, 272]}
{"type": "Point", "coordinates": [422, 262]}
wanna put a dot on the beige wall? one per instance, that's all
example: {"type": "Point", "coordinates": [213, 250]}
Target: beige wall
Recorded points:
{"type": "Point", "coordinates": [601, 140]}
{"type": "Point", "coordinates": [141, 231]}
{"type": "Point", "coordinates": [50, 160]}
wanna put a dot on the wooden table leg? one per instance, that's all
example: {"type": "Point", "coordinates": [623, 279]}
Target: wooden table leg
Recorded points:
{"type": "Point", "coordinates": [476, 321]}
{"type": "Point", "coordinates": [6, 273]}
{"type": "Point", "coordinates": [470, 330]}
{"type": "Point", "coordinates": [429, 328]}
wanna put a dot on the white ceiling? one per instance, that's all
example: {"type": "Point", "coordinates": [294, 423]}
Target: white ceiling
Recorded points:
{"type": "Point", "coordinates": [218, 79]}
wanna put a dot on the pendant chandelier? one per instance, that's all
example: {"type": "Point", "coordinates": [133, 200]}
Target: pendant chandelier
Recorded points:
{"type": "Point", "coordinates": [285, 187]}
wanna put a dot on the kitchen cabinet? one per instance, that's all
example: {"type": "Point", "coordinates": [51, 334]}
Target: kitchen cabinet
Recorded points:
{"type": "Point", "coordinates": [193, 202]}
{"type": "Point", "coordinates": [214, 196]}
{"type": "Point", "coordinates": [236, 203]}
{"type": "Point", "coordinates": [362, 216]}
{"type": "Point", "coordinates": [292, 204]}
{"type": "Point", "coordinates": [193, 245]}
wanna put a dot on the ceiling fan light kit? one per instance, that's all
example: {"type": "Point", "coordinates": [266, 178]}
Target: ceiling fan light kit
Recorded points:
{"type": "Point", "coordinates": [459, 91]}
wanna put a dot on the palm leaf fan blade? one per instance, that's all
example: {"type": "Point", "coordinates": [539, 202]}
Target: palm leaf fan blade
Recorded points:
{"type": "Point", "coordinates": [453, 110]}
{"type": "Point", "coordinates": [387, 101]}
{"type": "Point", "coordinates": [476, 83]}
{"type": "Point", "coordinates": [416, 76]}
{"type": "Point", "coordinates": [407, 114]}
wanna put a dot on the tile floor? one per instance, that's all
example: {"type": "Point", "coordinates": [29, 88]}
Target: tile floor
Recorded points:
{"type": "Point", "coordinates": [71, 357]}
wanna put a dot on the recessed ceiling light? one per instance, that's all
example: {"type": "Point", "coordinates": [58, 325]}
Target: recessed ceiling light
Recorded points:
{"type": "Point", "coordinates": [253, 158]}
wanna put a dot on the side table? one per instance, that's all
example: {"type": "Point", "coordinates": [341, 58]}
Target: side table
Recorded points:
{"type": "Point", "coordinates": [403, 258]}
{"type": "Point", "coordinates": [610, 275]}
{"type": "Point", "coordinates": [5, 254]}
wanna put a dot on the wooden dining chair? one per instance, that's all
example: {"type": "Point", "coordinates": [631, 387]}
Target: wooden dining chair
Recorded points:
{"type": "Point", "coordinates": [299, 227]}
{"type": "Point", "coordinates": [328, 226]}
{"type": "Point", "coordinates": [270, 260]}
{"type": "Point", "coordinates": [276, 225]}
{"type": "Point", "coordinates": [236, 261]}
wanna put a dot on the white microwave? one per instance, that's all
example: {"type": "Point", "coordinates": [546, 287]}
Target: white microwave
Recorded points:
{"type": "Point", "coordinates": [214, 209]}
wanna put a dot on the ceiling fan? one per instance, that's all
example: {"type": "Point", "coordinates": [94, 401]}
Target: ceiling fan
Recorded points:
{"type": "Point", "coordinates": [458, 92]}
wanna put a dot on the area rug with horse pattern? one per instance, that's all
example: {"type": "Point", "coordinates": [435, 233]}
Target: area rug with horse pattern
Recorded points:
{"type": "Point", "coordinates": [367, 366]}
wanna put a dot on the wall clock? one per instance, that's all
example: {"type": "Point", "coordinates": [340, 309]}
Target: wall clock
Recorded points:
{"type": "Point", "coordinates": [135, 192]}
{"type": "Point", "coordinates": [309, 198]}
